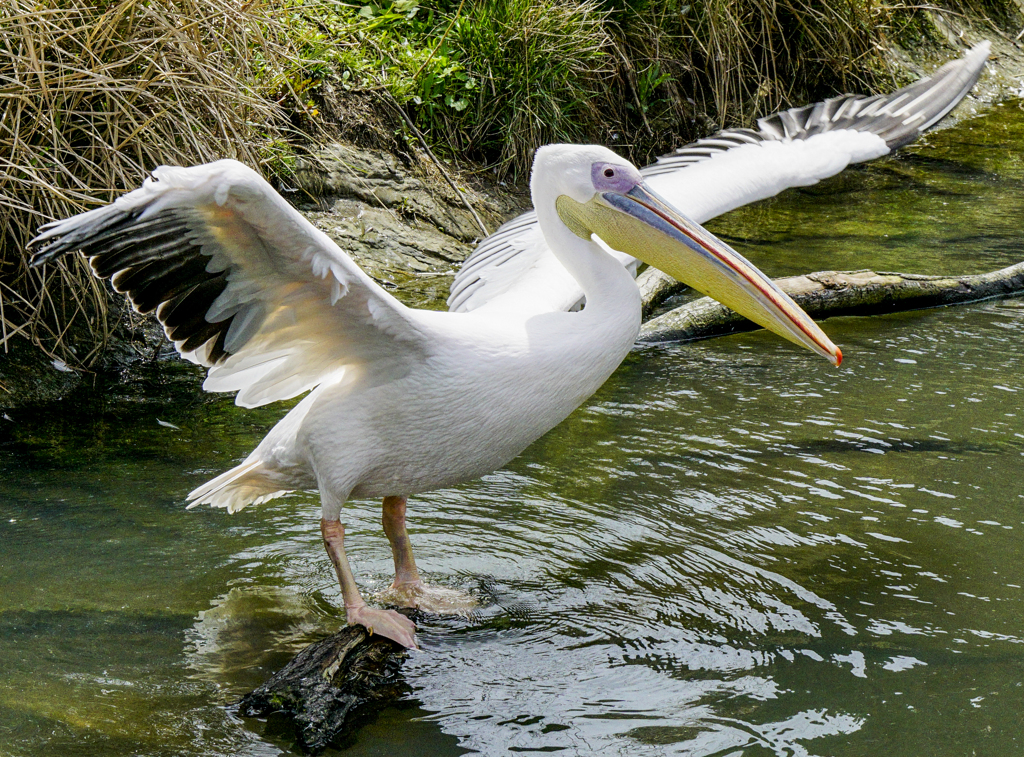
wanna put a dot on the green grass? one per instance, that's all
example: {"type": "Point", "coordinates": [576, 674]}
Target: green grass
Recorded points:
{"type": "Point", "coordinates": [491, 80]}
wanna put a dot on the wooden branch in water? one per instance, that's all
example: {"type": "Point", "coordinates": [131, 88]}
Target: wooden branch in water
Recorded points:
{"type": "Point", "coordinates": [825, 294]}
{"type": "Point", "coordinates": [330, 684]}
{"type": "Point", "coordinates": [655, 287]}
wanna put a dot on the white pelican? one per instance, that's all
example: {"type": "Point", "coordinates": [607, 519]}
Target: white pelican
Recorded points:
{"type": "Point", "coordinates": [795, 148]}
{"type": "Point", "coordinates": [402, 401]}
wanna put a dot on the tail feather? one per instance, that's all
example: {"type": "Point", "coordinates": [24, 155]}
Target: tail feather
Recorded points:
{"type": "Point", "coordinates": [245, 484]}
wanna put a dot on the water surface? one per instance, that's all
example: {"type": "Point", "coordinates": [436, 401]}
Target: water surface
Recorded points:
{"type": "Point", "coordinates": [733, 548]}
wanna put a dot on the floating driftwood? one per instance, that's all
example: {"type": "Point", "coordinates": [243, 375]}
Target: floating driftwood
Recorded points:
{"type": "Point", "coordinates": [330, 684]}
{"type": "Point", "coordinates": [825, 294]}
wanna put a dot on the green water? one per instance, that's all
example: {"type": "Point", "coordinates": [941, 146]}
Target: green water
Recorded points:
{"type": "Point", "coordinates": [732, 549]}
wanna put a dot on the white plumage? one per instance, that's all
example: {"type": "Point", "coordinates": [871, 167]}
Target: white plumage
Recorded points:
{"type": "Point", "coordinates": [401, 400]}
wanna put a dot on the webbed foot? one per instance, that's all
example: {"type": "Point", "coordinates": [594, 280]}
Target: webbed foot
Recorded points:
{"type": "Point", "coordinates": [388, 623]}
{"type": "Point", "coordinates": [435, 599]}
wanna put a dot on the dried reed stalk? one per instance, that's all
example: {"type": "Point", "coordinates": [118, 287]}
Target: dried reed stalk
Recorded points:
{"type": "Point", "coordinates": [94, 95]}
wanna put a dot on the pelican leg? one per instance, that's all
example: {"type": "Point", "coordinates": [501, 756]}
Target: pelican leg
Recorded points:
{"type": "Point", "coordinates": [389, 623]}
{"type": "Point", "coordinates": [408, 589]}
{"type": "Point", "coordinates": [407, 578]}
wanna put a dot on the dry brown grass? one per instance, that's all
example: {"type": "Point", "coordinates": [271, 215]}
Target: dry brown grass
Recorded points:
{"type": "Point", "coordinates": [94, 95]}
{"type": "Point", "coordinates": [762, 55]}
{"type": "Point", "coordinates": [685, 69]}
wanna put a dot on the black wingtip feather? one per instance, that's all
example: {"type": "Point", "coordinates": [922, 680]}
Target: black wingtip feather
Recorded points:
{"type": "Point", "coordinates": [191, 306]}
{"type": "Point", "coordinates": [203, 333]}
{"type": "Point", "coordinates": [149, 285]}
{"type": "Point", "coordinates": [899, 118]}
{"type": "Point", "coordinates": [157, 262]}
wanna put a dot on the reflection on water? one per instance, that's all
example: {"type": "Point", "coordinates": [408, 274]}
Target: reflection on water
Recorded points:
{"type": "Point", "coordinates": [732, 549]}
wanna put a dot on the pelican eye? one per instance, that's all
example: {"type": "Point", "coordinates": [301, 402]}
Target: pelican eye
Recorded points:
{"type": "Point", "coordinates": [612, 177]}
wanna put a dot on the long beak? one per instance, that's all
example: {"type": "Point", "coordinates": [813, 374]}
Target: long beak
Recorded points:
{"type": "Point", "coordinates": [668, 240]}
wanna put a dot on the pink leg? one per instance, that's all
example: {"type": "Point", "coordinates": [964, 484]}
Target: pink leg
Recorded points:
{"type": "Point", "coordinates": [406, 575]}
{"type": "Point", "coordinates": [389, 623]}
{"type": "Point", "coordinates": [408, 590]}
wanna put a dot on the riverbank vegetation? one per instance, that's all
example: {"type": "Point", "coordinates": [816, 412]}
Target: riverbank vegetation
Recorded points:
{"type": "Point", "coordinates": [95, 93]}
{"type": "Point", "coordinates": [490, 80]}
{"type": "Point", "coordinates": [92, 97]}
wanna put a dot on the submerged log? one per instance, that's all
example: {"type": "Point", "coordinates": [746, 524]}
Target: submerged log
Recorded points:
{"type": "Point", "coordinates": [331, 685]}
{"type": "Point", "coordinates": [825, 294]}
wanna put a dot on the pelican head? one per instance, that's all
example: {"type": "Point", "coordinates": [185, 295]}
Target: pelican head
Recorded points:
{"type": "Point", "coordinates": [599, 193]}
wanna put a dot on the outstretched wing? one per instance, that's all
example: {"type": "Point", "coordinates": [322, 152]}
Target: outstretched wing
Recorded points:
{"type": "Point", "coordinates": [797, 147]}
{"type": "Point", "coordinates": [241, 282]}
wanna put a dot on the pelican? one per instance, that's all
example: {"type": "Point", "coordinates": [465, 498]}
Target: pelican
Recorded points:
{"type": "Point", "coordinates": [402, 401]}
